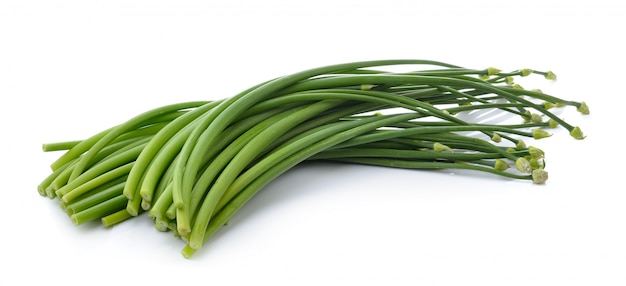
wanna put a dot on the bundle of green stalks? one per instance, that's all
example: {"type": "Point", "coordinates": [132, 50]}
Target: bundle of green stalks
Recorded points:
{"type": "Point", "coordinates": [191, 166]}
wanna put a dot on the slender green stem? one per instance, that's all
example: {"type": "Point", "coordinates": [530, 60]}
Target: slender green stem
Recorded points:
{"type": "Point", "coordinates": [115, 218]}
{"type": "Point", "coordinates": [406, 164]}
{"type": "Point", "coordinates": [245, 155]}
{"type": "Point", "coordinates": [100, 210]}
{"type": "Point", "coordinates": [59, 146]}
{"type": "Point", "coordinates": [97, 196]}
{"type": "Point", "coordinates": [96, 181]}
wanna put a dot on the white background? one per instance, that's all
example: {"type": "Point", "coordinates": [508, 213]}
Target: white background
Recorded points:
{"type": "Point", "coordinates": [71, 68]}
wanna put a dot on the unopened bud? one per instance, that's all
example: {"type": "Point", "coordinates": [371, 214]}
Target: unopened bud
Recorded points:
{"type": "Point", "coordinates": [523, 165]}
{"type": "Point", "coordinates": [501, 165]}
{"type": "Point", "coordinates": [496, 138]}
{"type": "Point", "coordinates": [535, 152]}
{"type": "Point", "coordinates": [539, 176]}
{"type": "Point", "coordinates": [493, 71]}
{"type": "Point", "coordinates": [438, 147]}
{"type": "Point", "coordinates": [527, 116]}
{"type": "Point", "coordinates": [536, 163]}
{"type": "Point", "coordinates": [583, 108]}
{"type": "Point", "coordinates": [510, 80]}
{"type": "Point", "coordinates": [577, 133]}
{"type": "Point", "coordinates": [548, 105]}
{"type": "Point", "coordinates": [540, 133]}
{"type": "Point", "coordinates": [366, 86]}
{"type": "Point", "coordinates": [552, 123]}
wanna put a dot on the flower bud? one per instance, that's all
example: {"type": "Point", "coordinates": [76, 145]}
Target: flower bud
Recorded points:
{"type": "Point", "coordinates": [552, 123]}
{"type": "Point", "coordinates": [539, 176]}
{"type": "Point", "coordinates": [496, 138]}
{"type": "Point", "coordinates": [438, 147]}
{"type": "Point", "coordinates": [540, 134]}
{"type": "Point", "coordinates": [523, 165]}
{"type": "Point", "coordinates": [583, 108]}
{"type": "Point", "coordinates": [493, 71]}
{"type": "Point", "coordinates": [577, 133]}
{"type": "Point", "coordinates": [501, 165]}
{"type": "Point", "coordinates": [535, 152]}
{"type": "Point", "coordinates": [548, 105]}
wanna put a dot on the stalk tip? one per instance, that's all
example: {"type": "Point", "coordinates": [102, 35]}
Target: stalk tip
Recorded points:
{"type": "Point", "coordinates": [583, 108]}
{"type": "Point", "coordinates": [131, 210]}
{"type": "Point", "coordinates": [493, 71]}
{"type": "Point", "coordinates": [552, 123]}
{"type": "Point", "coordinates": [510, 80]}
{"type": "Point", "coordinates": [183, 230]}
{"type": "Point", "coordinates": [438, 147]}
{"type": "Point", "coordinates": [548, 105]}
{"type": "Point", "coordinates": [501, 165]}
{"type": "Point", "coordinates": [496, 138]}
{"type": "Point", "coordinates": [577, 133]}
{"type": "Point", "coordinates": [550, 75]}
{"type": "Point", "coordinates": [539, 176]}
{"type": "Point", "coordinates": [536, 163]}
{"type": "Point", "coordinates": [540, 134]}
{"type": "Point", "coordinates": [523, 165]}
{"type": "Point", "coordinates": [367, 86]}
{"type": "Point", "coordinates": [535, 152]}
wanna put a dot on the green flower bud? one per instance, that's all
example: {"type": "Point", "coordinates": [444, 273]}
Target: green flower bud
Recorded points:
{"type": "Point", "coordinates": [523, 165]}
{"type": "Point", "coordinates": [509, 80]}
{"type": "Point", "coordinates": [438, 147]}
{"type": "Point", "coordinates": [552, 123]}
{"type": "Point", "coordinates": [539, 176]}
{"type": "Point", "coordinates": [496, 138]}
{"type": "Point", "coordinates": [493, 71]}
{"type": "Point", "coordinates": [526, 72]}
{"type": "Point", "coordinates": [535, 118]}
{"type": "Point", "coordinates": [528, 117]}
{"type": "Point", "coordinates": [501, 165]}
{"type": "Point", "coordinates": [548, 105]}
{"type": "Point", "coordinates": [520, 144]}
{"type": "Point", "coordinates": [583, 108]}
{"type": "Point", "coordinates": [536, 163]}
{"type": "Point", "coordinates": [535, 152]}
{"type": "Point", "coordinates": [577, 133]}
{"type": "Point", "coordinates": [366, 86]}
{"type": "Point", "coordinates": [540, 133]}
{"type": "Point", "coordinates": [517, 86]}
{"type": "Point", "coordinates": [550, 75]}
